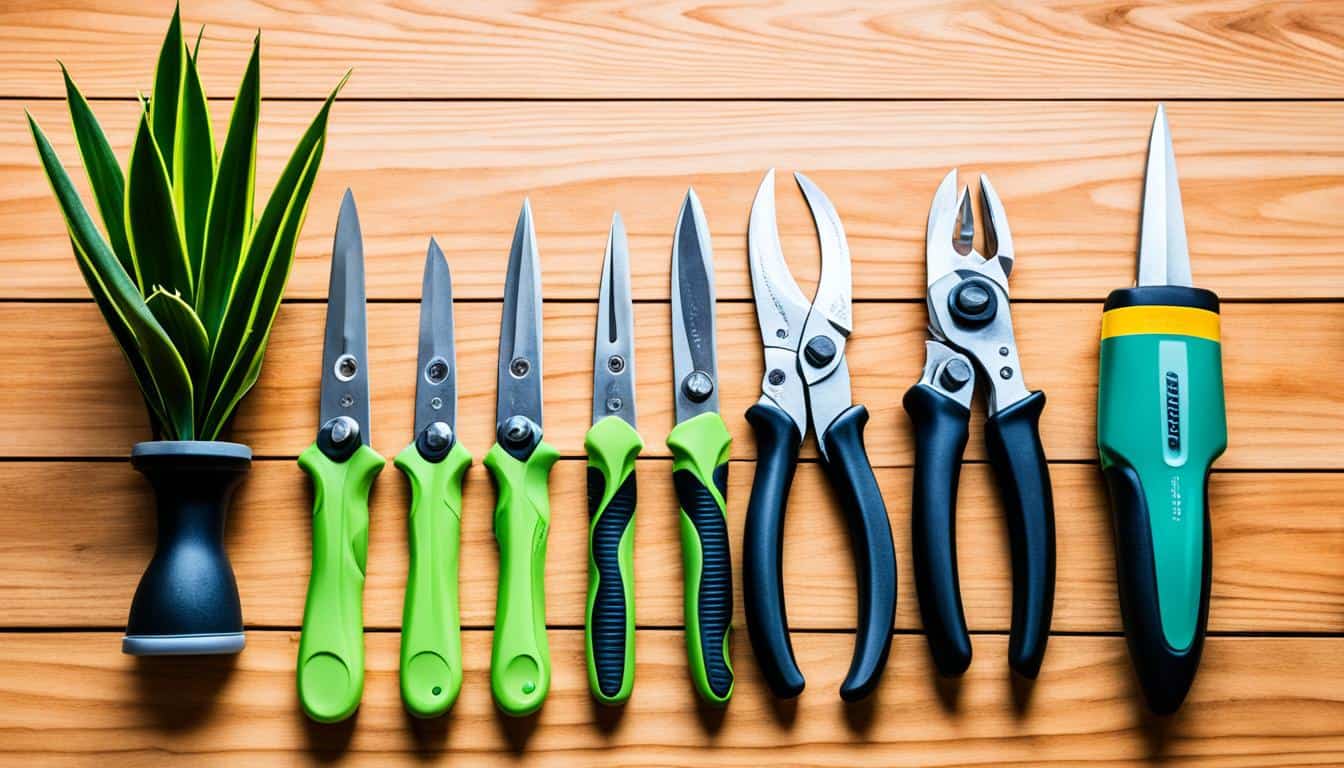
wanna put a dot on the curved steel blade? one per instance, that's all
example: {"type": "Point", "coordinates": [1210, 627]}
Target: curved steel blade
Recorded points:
{"type": "Point", "coordinates": [781, 307]}
{"type": "Point", "coordinates": [614, 340]}
{"type": "Point", "coordinates": [519, 382]}
{"type": "Point", "coordinates": [835, 288]}
{"type": "Point", "coordinates": [436, 380]}
{"type": "Point", "coordinates": [345, 348]}
{"type": "Point", "coordinates": [694, 358]}
{"type": "Point", "coordinates": [1164, 256]}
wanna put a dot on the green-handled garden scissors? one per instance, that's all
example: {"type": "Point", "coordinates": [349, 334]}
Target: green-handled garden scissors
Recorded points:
{"type": "Point", "coordinates": [434, 463]}
{"type": "Point", "coordinates": [613, 445]}
{"type": "Point", "coordinates": [1161, 422]}
{"type": "Point", "coordinates": [699, 444]}
{"type": "Point", "coordinates": [342, 467]}
{"type": "Point", "coordinates": [520, 463]}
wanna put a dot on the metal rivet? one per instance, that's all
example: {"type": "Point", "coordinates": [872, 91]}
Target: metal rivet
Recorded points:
{"type": "Point", "coordinates": [436, 403]}
{"type": "Point", "coordinates": [340, 431]}
{"type": "Point", "coordinates": [1005, 372]}
{"type": "Point", "coordinates": [614, 404]}
{"type": "Point", "coordinates": [782, 333]}
{"type": "Point", "coordinates": [519, 367]}
{"type": "Point", "coordinates": [615, 363]}
{"type": "Point", "coordinates": [820, 351]}
{"type": "Point", "coordinates": [517, 430]}
{"type": "Point", "coordinates": [1003, 351]}
{"type": "Point", "coordinates": [346, 367]}
{"type": "Point", "coordinates": [347, 400]}
{"type": "Point", "coordinates": [697, 386]}
{"type": "Point", "coordinates": [776, 377]}
{"type": "Point", "coordinates": [436, 371]}
{"type": "Point", "coordinates": [438, 435]}
{"type": "Point", "coordinates": [956, 374]}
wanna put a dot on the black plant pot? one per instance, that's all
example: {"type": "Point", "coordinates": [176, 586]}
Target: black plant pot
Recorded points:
{"type": "Point", "coordinates": [187, 601]}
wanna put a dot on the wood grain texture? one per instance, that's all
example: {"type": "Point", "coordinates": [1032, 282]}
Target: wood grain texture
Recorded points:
{"type": "Point", "coordinates": [692, 49]}
{"type": "Point", "coordinates": [63, 370]}
{"type": "Point", "coordinates": [74, 700]}
{"type": "Point", "coordinates": [1261, 185]}
{"type": "Point", "coordinates": [1272, 572]}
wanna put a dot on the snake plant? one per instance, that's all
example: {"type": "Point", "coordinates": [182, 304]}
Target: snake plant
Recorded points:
{"type": "Point", "coordinates": [186, 276]}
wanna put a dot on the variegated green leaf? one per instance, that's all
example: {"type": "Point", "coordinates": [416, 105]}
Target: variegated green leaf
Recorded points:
{"type": "Point", "coordinates": [106, 277]}
{"type": "Point", "coordinates": [155, 233]}
{"type": "Point", "coordinates": [193, 169]}
{"type": "Point", "coordinates": [105, 179]}
{"type": "Point", "coordinates": [229, 220]}
{"type": "Point", "coordinates": [182, 325]}
{"type": "Point", "coordinates": [168, 77]}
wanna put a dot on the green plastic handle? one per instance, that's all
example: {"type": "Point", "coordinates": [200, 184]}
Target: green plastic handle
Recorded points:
{"type": "Point", "coordinates": [520, 660]}
{"type": "Point", "coordinates": [609, 622]}
{"type": "Point", "coordinates": [431, 634]}
{"type": "Point", "coordinates": [331, 646]}
{"type": "Point", "coordinates": [700, 473]}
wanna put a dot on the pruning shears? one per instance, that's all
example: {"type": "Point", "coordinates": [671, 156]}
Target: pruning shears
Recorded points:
{"type": "Point", "coordinates": [1161, 423]}
{"type": "Point", "coordinates": [971, 330]}
{"type": "Point", "coordinates": [342, 467]}
{"type": "Point", "coordinates": [699, 443]}
{"type": "Point", "coordinates": [612, 444]}
{"type": "Point", "coordinates": [807, 382]}
{"type": "Point", "coordinates": [520, 462]}
{"type": "Point", "coordinates": [434, 464]}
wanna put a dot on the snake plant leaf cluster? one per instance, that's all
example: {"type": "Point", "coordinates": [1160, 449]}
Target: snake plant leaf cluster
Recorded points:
{"type": "Point", "coordinates": [186, 275]}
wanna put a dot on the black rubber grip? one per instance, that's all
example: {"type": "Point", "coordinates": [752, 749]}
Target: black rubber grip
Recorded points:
{"type": "Point", "coordinates": [874, 552]}
{"type": "Point", "coordinates": [941, 426]}
{"type": "Point", "coordinates": [777, 442]}
{"type": "Point", "coordinates": [1014, 440]}
{"type": "Point", "coordinates": [1165, 674]}
{"type": "Point", "coordinates": [714, 598]}
{"type": "Point", "coordinates": [609, 608]}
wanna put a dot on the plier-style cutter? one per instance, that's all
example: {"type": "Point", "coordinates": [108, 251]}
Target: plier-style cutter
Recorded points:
{"type": "Point", "coordinates": [807, 381]}
{"type": "Point", "coordinates": [972, 330]}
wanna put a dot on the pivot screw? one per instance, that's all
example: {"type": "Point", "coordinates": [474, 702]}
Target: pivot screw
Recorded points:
{"type": "Point", "coordinates": [956, 374]}
{"type": "Point", "coordinates": [438, 435]}
{"type": "Point", "coordinates": [776, 377]}
{"type": "Point", "coordinates": [342, 429]}
{"type": "Point", "coordinates": [972, 302]}
{"type": "Point", "coordinates": [519, 367]}
{"type": "Point", "coordinates": [697, 386]}
{"type": "Point", "coordinates": [973, 299]}
{"type": "Point", "coordinates": [615, 363]}
{"type": "Point", "coordinates": [517, 430]}
{"type": "Point", "coordinates": [820, 351]}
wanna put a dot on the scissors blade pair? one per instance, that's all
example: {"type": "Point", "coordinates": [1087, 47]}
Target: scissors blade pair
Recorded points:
{"type": "Point", "coordinates": [345, 348]}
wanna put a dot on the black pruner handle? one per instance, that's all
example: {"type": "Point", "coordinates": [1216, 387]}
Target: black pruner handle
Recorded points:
{"type": "Point", "coordinates": [1013, 437]}
{"type": "Point", "coordinates": [851, 474]}
{"type": "Point", "coordinates": [777, 442]}
{"type": "Point", "coordinates": [941, 426]}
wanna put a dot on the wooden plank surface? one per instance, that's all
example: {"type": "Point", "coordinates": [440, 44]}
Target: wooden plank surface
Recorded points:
{"type": "Point", "coordinates": [73, 699]}
{"type": "Point", "coordinates": [1277, 359]}
{"type": "Point", "coordinates": [456, 112]}
{"type": "Point", "coordinates": [1278, 572]}
{"type": "Point", "coordinates": [689, 49]}
{"type": "Point", "coordinates": [1261, 184]}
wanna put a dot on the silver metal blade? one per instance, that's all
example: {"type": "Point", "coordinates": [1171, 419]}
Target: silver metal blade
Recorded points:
{"type": "Point", "coordinates": [781, 307]}
{"type": "Point", "coordinates": [694, 358]}
{"type": "Point", "coordinates": [1164, 256]}
{"type": "Point", "coordinates": [345, 349]}
{"type": "Point", "coordinates": [835, 288]}
{"type": "Point", "coordinates": [614, 340]}
{"type": "Point", "coordinates": [519, 383]}
{"type": "Point", "coordinates": [436, 382]}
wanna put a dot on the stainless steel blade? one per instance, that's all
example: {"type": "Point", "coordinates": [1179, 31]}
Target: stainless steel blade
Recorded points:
{"type": "Point", "coordinates": [835, 288]}
{"type": "Point", "coordinates": [694, 358]}
{"type": "Point", "coordinates": [1164, 255]}
{"type": "Point", "coordinates": [613, 340]}
{"type": "Point", "coordinates": [436, 382]}
{"type": "Point", "coordinates": [519, 382]}
{"type": "Point", "coordinates": [345, 349]}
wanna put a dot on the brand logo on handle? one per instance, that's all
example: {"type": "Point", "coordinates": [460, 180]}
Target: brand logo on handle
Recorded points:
{"type": "Point", "coordinates": [1174, 373]}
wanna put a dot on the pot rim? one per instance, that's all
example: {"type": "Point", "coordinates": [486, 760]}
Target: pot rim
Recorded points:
{"type": "Point", "coordinates": [200, 449]}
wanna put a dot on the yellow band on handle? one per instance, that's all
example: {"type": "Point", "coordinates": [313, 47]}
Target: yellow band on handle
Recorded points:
{"type": "Point", "coordinates": [1184, 321]}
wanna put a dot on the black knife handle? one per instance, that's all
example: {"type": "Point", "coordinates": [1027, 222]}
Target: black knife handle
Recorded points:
{"type": "Point", "coordinates": [941, 426]}
{"type": "Point", "coordinates": [852, 477]}
{"type": "Point", "coordinates": [777, 443]}
{"type": "Point", "coordinates": [1014, 440]}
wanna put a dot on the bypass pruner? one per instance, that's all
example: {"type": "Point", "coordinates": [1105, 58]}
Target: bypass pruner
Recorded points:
{"type": "Point", "coordinates": [972, 331]}
{"type": "Point", "coordinates": [807, 381]}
